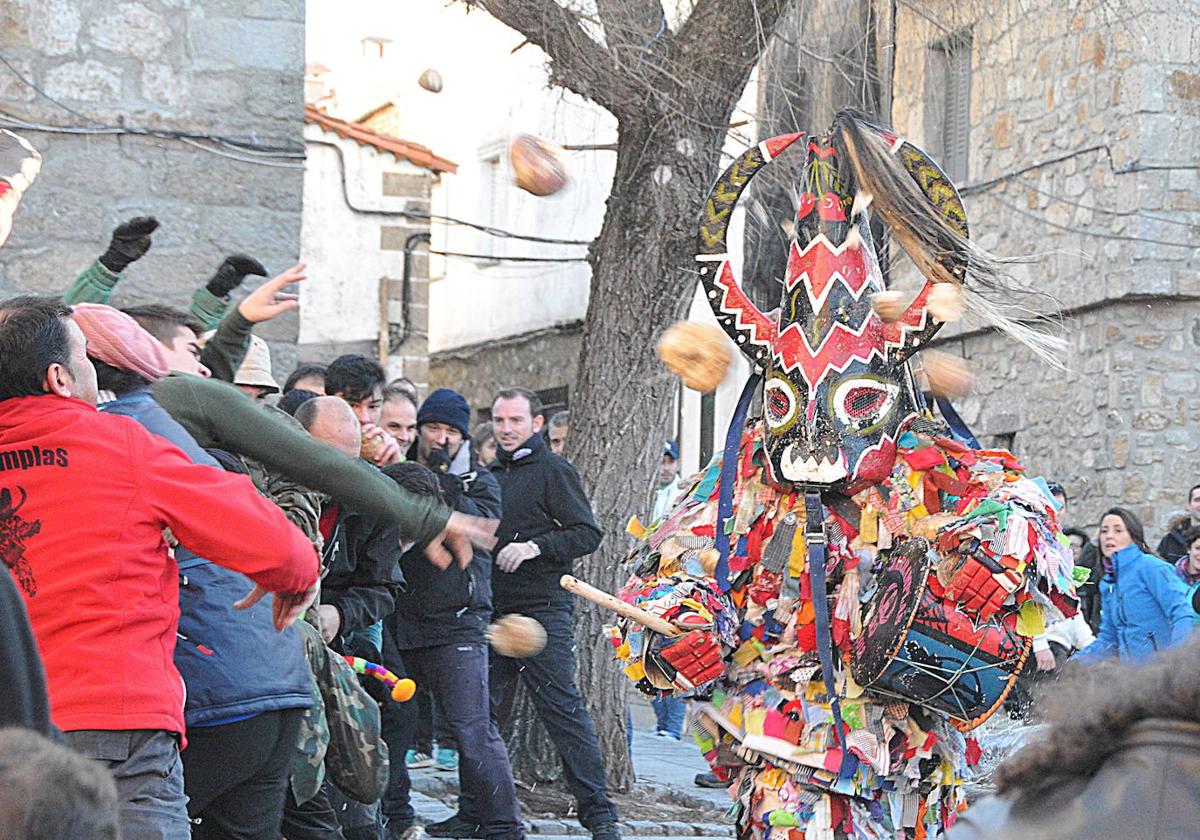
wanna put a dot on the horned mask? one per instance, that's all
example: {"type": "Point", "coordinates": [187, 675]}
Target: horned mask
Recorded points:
{"type": "Point", "coordinates": [837, 388]}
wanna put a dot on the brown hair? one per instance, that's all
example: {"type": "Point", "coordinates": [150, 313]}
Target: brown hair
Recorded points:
{"type": "Point", "coordinates": [1091, 708]}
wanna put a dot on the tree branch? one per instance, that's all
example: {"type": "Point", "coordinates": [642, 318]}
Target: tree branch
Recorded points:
{"type": "Point", "coordinates": [707, 37]}
{"type": "Point", "coordinates": [632, 23]}
{"type": "Point", "coordinates": [577, 61]}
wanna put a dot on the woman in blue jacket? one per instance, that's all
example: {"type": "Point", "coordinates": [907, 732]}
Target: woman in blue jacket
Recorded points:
{"type": "Point", "coordinates": [1144, 605]}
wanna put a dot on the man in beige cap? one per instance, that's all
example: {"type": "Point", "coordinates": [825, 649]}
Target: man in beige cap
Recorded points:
{"type": "Point", "coordinates": [254, 377]}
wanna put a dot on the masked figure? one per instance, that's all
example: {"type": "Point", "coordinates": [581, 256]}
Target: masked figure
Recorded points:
{"type": "Point", "coordinates": [854, 587]}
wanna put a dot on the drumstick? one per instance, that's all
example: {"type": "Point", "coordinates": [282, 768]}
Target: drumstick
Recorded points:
{"type": "Point", "coordinates": [597, 596]}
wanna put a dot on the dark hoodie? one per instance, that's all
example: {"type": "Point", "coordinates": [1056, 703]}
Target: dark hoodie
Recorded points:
{"type": "Point", "coordinates": [544, 503]}
{"type": "Point", "coordinates": [449, 606]}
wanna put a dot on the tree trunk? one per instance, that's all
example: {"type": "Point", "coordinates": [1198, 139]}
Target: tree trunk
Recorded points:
{"type": "Point", "coordinates": [642, 281]}
{"type": "Point", "coordinates": [672, 93]}
{"type": "Point", "coordinates": [534, 758]}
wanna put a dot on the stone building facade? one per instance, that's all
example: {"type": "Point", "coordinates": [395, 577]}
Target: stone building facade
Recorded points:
{"type": "Point", "coordinates": [1074, 129]}
{"type": "Point", "coordinates": [545, 361]}
{"type": "Point", "coordinates": [221, 73]}
{"type": "Point", "coordinates": [366, 239]}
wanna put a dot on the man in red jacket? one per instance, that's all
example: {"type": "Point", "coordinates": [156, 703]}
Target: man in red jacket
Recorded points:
{"type": "Point", "coordinates": [84, 501]}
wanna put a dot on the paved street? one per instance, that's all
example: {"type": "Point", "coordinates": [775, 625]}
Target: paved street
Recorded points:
{"type": "Point", "coordinates": [664, 766]}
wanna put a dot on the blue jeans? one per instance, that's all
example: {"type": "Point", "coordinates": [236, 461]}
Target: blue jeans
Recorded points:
{"type": "Point", "coordinates": [146, 766]}
{"type": "Point", "coordinates": [550, 679]}
{"type": "Point", "coordinates": [669, 713]}
{"type": "Point", "coordinates": [457, 676]}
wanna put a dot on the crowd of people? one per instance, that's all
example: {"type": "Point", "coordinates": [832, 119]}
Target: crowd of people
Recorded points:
{"type": "Point", "coordinates": [384, 527]}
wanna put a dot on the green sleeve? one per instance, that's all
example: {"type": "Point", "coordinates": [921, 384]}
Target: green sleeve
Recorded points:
{"type": "Point", "coordinates": [224, 351]}
{"type": "Point", "coordinates": [93, 285]}
{"type": "Point", "coordinates": [218, 415]}
{"type": "Point", "coordinates": [209, 308]}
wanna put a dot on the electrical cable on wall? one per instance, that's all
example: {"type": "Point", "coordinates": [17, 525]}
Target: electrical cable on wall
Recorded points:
{"type": "Point", "coordinates": [491, 258]}
{"type": "Point", "coordinates": [245, 151]}
{"type": "Point", "coordinates": [1098, 234]}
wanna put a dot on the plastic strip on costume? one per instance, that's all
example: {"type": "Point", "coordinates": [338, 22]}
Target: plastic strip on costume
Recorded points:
{"type": "Point", "coordinates": [814, 539]}
{"type": "Point", "coordinates": [729, 478]}
{"type": "Point", "coordinates": [957, 425]}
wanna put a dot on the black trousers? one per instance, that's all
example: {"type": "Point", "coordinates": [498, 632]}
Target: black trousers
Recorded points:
{"type": "Point", "coordinates": [235, 776]}
{"type": "Point", "coordinates": [550, 679]}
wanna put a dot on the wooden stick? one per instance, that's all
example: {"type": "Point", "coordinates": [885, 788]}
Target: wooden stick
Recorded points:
{"type": "Point", "coordinates": [597, 596]}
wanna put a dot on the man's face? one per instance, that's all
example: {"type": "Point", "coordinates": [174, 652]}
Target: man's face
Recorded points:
{"type": "Point", "coordinates": [83, 373]}
{"type": "Point", "coordinates": [1076, 547]}
{"type": "Point", "coordinates": [1194, 503]}
{"type": "Point", "coordinates": [398, 418]}
{"type": "Point", "coordinates": [512, 422]}
{"type": "Point", "coordinates": [558, 438]}
{"type": "Point", "coordinates": [1062, 505]}
{"type": "Point", "coordinates": [367, 409]}
{"type": "Point", "coordinates": [432, 437]}
{"type": "Point", "coordinates": [667, 470]}
{"type": "Point", "coordinates": [183, 353]}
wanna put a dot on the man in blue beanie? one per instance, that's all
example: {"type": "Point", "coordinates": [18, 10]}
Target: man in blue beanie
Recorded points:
{"type": "Point", "coordinates": [438, 632]}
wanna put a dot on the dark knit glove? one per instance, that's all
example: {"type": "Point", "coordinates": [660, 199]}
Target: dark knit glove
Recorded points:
{"type": "Point", "coordinates": [130, 242]}
{"type": "Point", "coordinates": [232, 272]}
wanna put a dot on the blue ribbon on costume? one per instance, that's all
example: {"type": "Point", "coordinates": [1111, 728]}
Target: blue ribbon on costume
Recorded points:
{"type": "Point", "coordinates": [814, 540]}
{"type": "Point", "coordinates": [733, 437]}
{"type": "Point", "coordinates": [957, 425]}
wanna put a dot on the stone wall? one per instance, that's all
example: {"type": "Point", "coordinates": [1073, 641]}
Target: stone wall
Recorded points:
{"type": "Point", "coordinates": [539, 361]}
{"type": "Point", "coordinates": [1111, 234]}
{"type": "Point", "coordinates": [233, 69]}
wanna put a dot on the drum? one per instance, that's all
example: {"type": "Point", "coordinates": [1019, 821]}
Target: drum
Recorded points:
{"type": "Point", "coordinates": [919, 648]}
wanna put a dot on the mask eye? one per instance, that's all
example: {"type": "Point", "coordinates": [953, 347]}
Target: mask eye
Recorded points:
{"type": "Point", "coordinates": [862, 404]}
{"type": "Point", "coordinates": [780, 404]}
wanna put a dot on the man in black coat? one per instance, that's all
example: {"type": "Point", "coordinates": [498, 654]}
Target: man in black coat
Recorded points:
{"type": "Point", "coordinates": [547, 524]}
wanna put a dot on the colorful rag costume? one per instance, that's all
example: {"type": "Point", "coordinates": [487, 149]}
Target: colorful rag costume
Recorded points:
{"type": "Point", "coordinates": [855, 587]}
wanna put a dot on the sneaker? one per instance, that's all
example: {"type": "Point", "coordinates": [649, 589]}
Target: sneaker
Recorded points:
{"type": "Point", "coordinates": [413, 832]}
{"type": "Point", "coordinates": [606, 831]}
{"type": "Point", "coordinates": [446, 759]}
{"type": "Point", "coordinates": [415, 760]}
{"type": "Point", "coordinates": [456, 827]}
{"type": "Point", "coordinates": [709, 780]}
{"type": "Point", "coordinates": [661, 733]}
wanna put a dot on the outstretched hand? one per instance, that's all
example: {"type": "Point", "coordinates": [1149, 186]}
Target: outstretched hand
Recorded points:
{"type": "Point", "coordinates": [230, 274]}
{"type": "Point", "coordinates": [130, 241]}
{"type": "Point", "coordinates": [287, 607]}
{"type": "Point", "coordinates": [462, 534]}
{"type": "Point", "coordinates": [269, 300]}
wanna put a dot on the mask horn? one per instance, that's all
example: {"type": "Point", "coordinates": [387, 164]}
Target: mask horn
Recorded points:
{"type": "Point", "coordinates": [924, 212]}
{"type": "Point", "coordinates": [751, 330]}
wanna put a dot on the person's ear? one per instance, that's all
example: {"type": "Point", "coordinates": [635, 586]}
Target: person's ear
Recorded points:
{"type": "Point", "coordinates": [59, 381]}
{"type": "Point", "coordinates": [538, 422]}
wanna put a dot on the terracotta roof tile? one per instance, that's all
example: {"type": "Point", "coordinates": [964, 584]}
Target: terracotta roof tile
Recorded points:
{"type": "Point", "coordinates": [413, 152]}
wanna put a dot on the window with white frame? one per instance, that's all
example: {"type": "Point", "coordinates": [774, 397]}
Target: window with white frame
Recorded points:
{"type": "Point", "coordinates": [493, 199]}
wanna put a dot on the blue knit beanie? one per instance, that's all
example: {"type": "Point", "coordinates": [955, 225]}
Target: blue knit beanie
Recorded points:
{"type": "Point", "coordinates": [446, 406]}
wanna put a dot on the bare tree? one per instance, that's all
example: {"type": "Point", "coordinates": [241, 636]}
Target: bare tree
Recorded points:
{"type": "Point", "coordinates": [672, 90]}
